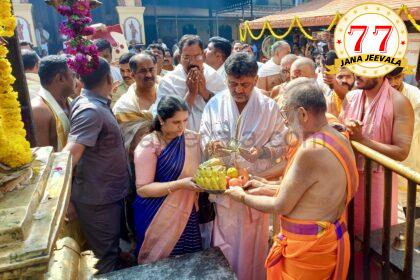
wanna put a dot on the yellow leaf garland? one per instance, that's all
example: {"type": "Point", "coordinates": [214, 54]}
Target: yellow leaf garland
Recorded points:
{"type": "Point", "coordinates": [14, 148]}
{"type": "Point", "coordinates": [245, 29]}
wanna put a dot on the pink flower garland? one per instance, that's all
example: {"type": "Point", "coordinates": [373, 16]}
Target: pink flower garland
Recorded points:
{"type": "Point", "coordinates": [83, 53]}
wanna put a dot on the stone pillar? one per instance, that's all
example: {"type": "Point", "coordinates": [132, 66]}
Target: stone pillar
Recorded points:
{"type": "Point", "coordinates": [132, 21]}
{"type": "Point", "coordinates": [25, 23]}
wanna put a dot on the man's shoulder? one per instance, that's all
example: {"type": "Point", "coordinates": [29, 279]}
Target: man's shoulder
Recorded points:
{"type": "Point", "coordinates": [310, 154]}
{"type": "Point", "coordinates": [169, 78]}
{"type": "Point", "coordinates": [40, 107]}
{"type": "Point", "coordinates": [85, 105]}
{"type": "Point", "coordinates": [399, 100]}
{"type": "Point", "coordinates": [218, 99]}
{"type": "Point", "coordinates": [265, 101]}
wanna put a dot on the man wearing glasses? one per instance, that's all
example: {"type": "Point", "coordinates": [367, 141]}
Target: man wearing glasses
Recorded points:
{"type": "Point", "coordinates": [244, 128]}
{"type": "Point", "coordinates": [193, 80]}
{"type": "Point", "coordinates": [319, 182]}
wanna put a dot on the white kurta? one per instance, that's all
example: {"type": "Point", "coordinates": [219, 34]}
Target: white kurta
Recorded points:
{"type": "Point", "coordinates": [222, 73]}
{"type": "Point", "coordinates": [174, 83]}
{"type": "Point", "coordinates": [242, 232]}
{"type": "Point", "coordinates": [269, 69]}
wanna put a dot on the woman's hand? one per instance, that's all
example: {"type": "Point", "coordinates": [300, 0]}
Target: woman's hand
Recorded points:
{"type": "Point", "coordinates": [188, 183]}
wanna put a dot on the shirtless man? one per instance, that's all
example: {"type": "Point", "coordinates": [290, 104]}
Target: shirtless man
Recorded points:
{"type": "Point", "coordinates": [286, 63]}
{"type": "Point", "coordinates": [51, 108]}
{"type": "Point", "coordinates": [269, 74]}
{"type": "Point", "coordinates": [315, 190]}
{"type": "Point", "coordinates": [303, 67]}
{"type": "Point", "coordinates": [381, 118]}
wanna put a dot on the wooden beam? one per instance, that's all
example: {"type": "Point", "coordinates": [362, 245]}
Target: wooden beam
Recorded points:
{"type": "Point", "coordinates": [20, 85]}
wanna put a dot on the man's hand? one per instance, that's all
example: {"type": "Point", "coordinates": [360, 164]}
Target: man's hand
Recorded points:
{"type": "Point", "coordinates": [253, 184]}
{"type": "Point", "coordinates": [71, 214]}
{"type": "Point", "coordinates": [193, 81]}
{"type": "Point", "coordinates": [257, 187]}
{"type": "Point", "coordinates": [250, 155]}
{"type": "Point", "coordinates": [192, 85]}
{"type": "Point", "coordinates": [202, 90]}
{"type": "Point", "coordinates": [217, 148]}
{"type": "Point", "coordinates": [355, 129]}
{"type": "Point", "coordinates": [330, 80]}
{"type": "Point", "coordinates": [236, 193]}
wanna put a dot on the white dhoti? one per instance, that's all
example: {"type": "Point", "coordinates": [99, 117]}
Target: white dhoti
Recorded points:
{"type": "Point", "coordinates": [241, 232]}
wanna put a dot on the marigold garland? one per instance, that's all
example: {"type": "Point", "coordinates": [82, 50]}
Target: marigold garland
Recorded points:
{"type": "Point", "coordinates": [245, 29]}
{"type": "Point", "coordinates": [14, 149]}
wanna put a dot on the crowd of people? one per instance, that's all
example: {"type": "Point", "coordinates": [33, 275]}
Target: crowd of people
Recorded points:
{"type": "Point", "coordinates": [137, 130]}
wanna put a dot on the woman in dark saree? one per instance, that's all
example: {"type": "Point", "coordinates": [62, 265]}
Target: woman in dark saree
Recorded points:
{"type": "Point", "coordinates": [165, 214]}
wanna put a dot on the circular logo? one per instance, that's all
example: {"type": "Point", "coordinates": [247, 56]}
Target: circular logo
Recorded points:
{"type": "Point", "coordinates": [370, 40]}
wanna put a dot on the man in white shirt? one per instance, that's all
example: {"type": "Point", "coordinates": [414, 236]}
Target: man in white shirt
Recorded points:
{"type": "Point", "coordinates": [105, 51]}
{"type": "Point", "coordinates": [218, 50]}
{"type": "Point", "coordinates": [269, 74]}
{"type": "Point", "coordinates": [192, 79]}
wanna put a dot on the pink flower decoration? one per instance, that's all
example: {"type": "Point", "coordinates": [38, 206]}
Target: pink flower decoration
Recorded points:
{"type": "Point", "coordinates": [83, 53]}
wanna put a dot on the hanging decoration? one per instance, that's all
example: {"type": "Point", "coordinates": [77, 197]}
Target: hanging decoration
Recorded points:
{"type": "Point", "coordinates": [15, 150]}
{"type": "Point", "coordinates": [245, 30]}
{"type": "Point", "coordinates": [83, 53]}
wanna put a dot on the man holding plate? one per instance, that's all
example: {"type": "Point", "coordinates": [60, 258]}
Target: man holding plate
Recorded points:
{"type": "Point", "coordinates": [243, 127]}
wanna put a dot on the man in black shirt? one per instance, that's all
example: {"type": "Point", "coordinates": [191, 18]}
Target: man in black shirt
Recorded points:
{"type": "Point", "coordinates": [101, 175]}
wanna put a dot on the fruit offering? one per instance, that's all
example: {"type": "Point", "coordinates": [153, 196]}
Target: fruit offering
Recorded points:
{"type": "Point", "coordinates": [211, 175]}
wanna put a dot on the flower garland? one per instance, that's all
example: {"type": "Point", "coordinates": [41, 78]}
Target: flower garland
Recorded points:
{"type": "Point", "coordinates": [245, 29]}
{"type": "Point", "coordinates": [83, 53]}
{"type": "Point", "coordinates": [14, 148]}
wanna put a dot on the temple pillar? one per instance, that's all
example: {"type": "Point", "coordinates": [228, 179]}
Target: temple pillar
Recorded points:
{"type": "Point", "coordinates": [130, 14]}
{"type": "Point", "coordinates": [25, 24]}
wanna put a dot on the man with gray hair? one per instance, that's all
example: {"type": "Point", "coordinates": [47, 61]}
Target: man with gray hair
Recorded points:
{"type": "Point", "coordinates": [303, 67]}
{"type": "Point", "coordinates": [320, 181]}
{"type": "Point", "coordinates": [244, 128]}
{"type": "Point", "coordinates": [286, 63]}
{"type": "Point", "coordinates": [269, 74]}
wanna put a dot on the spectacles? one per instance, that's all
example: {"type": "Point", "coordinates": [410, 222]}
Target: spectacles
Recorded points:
{"type": "Point", "coordinates": [188, 58]}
